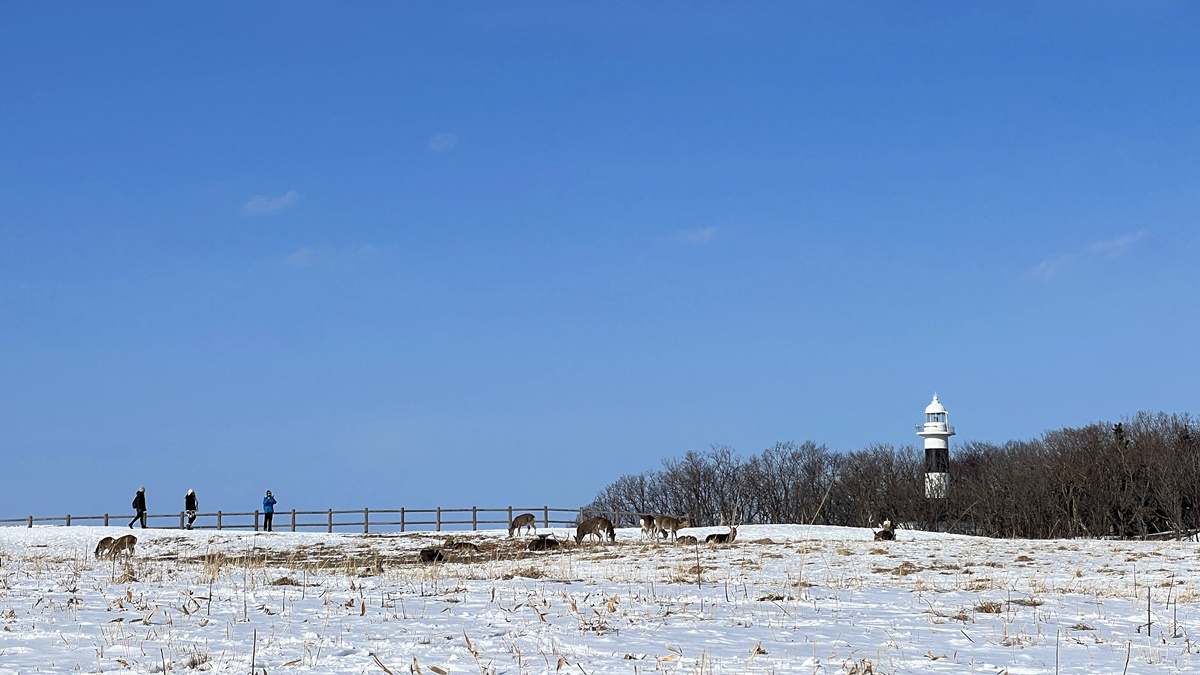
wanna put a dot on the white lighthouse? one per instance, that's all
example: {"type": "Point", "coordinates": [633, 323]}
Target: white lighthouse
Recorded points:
{"type": "Point", "coordinates": [937, 432]}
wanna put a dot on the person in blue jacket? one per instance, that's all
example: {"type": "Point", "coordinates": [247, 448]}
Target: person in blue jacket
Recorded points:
{"type": "Point", "coordinates": [268, 510]}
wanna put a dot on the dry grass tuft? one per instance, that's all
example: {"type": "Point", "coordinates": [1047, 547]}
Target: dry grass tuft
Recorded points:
{"type": "Point", "coordinates": [981, 584]}
{"type": "Point", "coordinates": [685, 574]}
{"type": "Point", "coordinates": [989, 607]}
{"type": "Point", "coordinates": [903, 569]}
{"type": "Point", "coordinates": [526, 572]}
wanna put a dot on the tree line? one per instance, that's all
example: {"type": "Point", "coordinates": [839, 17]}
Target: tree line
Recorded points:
{"type": "Point", "coordinates": [1137, 477]}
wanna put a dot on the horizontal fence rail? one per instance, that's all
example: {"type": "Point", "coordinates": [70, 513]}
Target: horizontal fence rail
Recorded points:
{"type": "Point", "coordinates": [364, 520]}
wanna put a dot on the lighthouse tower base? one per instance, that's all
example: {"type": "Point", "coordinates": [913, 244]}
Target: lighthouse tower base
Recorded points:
{"type": "Point", "coordinates": [937, 485]}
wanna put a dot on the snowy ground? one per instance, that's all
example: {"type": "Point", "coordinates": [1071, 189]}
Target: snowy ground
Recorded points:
{"type": "Point", "coordinates": [781, 599]}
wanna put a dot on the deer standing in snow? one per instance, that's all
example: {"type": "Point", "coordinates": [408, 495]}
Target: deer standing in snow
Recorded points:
{"type": "Point", "coordinates": [599, 527]}
{"type": "Point", "coordinates": [647, 524]}
{"type": "Point", "coordinates": [525, 520]}
{"type": "Point", "coordinates": [668, 525]}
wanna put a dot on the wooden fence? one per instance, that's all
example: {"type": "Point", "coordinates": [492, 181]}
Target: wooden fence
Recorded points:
{"type": "Point", "coordinates": [330, 520]}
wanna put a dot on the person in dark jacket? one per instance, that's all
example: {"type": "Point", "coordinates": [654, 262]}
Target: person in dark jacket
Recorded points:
{"type": "Point", "coordinates": [190, 504]}
{"type": "Point", "coordinates": [139, 505]}
{"type": "Point", "coordinates": [268, 511]}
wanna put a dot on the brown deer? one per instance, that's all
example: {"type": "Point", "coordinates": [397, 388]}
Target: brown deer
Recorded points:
{"type": "Point", "coordinates": [522, 521]}
{"type": "Point", "coordinates": [888, 533]}
{"type": "Point", "coordinates": [103, 547]}
{"type": "Point", "coordinates": [460, 545]}
{"type": "Point", "coordinates": [722, 538]}
{"type": "Point", "coordinates": [125, 543]}
{"type": "Point", "coordinates": [598, 527]}
{"type": "Point", "coordinates": [430, 555]}
{"type": "Point", "coordinates": [686, 539]}
{"type": "Point", "coordinates": [671, 526]}
{"type": "Point", "coordinates": [648, 528]}
{"type": "Point", "coordinates": [543, 542]}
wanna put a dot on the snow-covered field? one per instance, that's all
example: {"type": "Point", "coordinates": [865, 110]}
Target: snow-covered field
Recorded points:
{"type": "Point", "coordinates": [780, 599]}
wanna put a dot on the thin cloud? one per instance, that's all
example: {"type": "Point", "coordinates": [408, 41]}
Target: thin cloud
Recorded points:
{"type": "Point", "coordinates": [1117, 246]}
{"type": "Point", "coordinates": [1051, 268]}
{"type": "Point", "coordinates": [302, 257]}
{"type": "Point", "coordinates": [266, 205]}
{"type": "Point", "coordinates": [443, 142]}
{"type": "Point", "coordinates": [1046, 271]}
{"type": "Point", "coordinates": [337, 256]}
{"type": "Point", "coordinates": [699, 236]}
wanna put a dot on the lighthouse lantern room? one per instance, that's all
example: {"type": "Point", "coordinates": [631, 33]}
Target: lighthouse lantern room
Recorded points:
{"type": "Point", "coordinates": [937, 432]}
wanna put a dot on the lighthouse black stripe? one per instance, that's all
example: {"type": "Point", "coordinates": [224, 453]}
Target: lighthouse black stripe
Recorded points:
{"type": "Point", "coordinates": [937, 460]}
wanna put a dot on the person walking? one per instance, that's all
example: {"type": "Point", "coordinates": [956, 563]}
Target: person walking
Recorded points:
{"type": "Point", "coordinates": [190, 504]}
{"type": "Point", "coordinates": [268, 511]}
{"type": "Point", "coordinates": [139, 505]}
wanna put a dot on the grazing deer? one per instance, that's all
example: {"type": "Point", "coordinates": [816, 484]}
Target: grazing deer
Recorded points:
{"type": "Point", "coordinates": [125, 543]}
{"type": "Point", "coordinates": [668, 525]}
{"type": "Point", "coordinates": [888, 533]}
{"type": "Point", "coordinates": [686, 539]}
{"type": "Point", "coordinates": [429, 555]}
{"type": "Point", "coordinates": [543, 542]}
{"type": "Point", "coordinates": [648, 528]}
{"type": "Point", "coordinates": [599, 527]}
{"type": "Point", "coordinates": [522, 521]}
{"type": "Point", "coordinates": [722, 538]}
{"type": "Point", "coordinates": [103, 547]}
{"type": "Point", "coordinates": [460, 545]}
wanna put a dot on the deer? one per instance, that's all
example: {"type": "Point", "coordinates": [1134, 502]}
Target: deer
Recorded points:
{"type": "Point", "coordinates": [125, 543]}
{"type": "Point", "coordinates": [522, 521]}
{"type": "Point", "coordinates": [686, 539]}
{"type": "Point", "coordinates": [460, 545]}
{"type": "Point", "coordinates": [104, 545]}
{"type": "Point", "coordinates": [430, 555]}
{"type": "Point", "coordinates": [543, 542]}
{"type": "Point", "coordinates": [734, 517]}
{"type": "Point", "coordinates": [647, 523]}
{"type": "Point", "coordinates": [888, 533]}
{"type": "Point", "coordinates": [668, 525]}
{"type": "Point", "coordinates": [722, 537]}
{"type": "Point", "coordinates": [598, 526]}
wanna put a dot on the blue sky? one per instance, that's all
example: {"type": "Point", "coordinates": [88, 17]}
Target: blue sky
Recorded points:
{"type": "Point", "coordinates": [396, 255]}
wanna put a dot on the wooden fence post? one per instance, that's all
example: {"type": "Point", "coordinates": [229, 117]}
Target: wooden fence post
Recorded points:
{"type": "Point", "coordinates": [181, 523]}
{"type": "Point", "coordinates": [106, 520]}
{"type": "Point", "coordinates": [401, 518]}
{"type": "Point", "coordinates": [581, 514]}
{"type": "Point", "coordinates": [218, 520]}
{"type": "Point", "coordinates": [256, 520]}
{"type": "Point", "coordinates": [366, 520]}
{"type": "Point", "coordinates": [68, 520]}
{"type": "Point", "coordinates": [31, 522]}
{"type": "Point", "coordinates": [293, 520]}
{"type": "Point", "coordinates": [546, 515]}
{"type": "Point", "coordinates": [331, 520]}
{"type": "Point", "coordinates": [510, 519]}
{"type": "Point", "coordinates": [439, 519]}
{"type": "Point", "coordinates": [474, 518]}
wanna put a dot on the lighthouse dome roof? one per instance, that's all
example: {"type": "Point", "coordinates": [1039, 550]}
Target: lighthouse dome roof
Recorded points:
{"type": "Point", "coordinates": [935, 406]}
